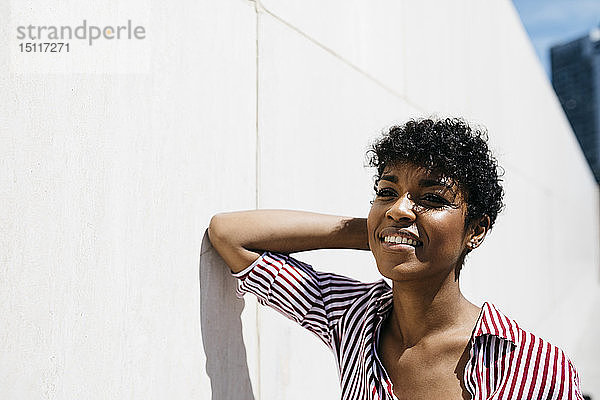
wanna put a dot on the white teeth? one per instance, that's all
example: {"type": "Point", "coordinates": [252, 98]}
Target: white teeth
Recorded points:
{"type": "Point", "coordinates": [400, 240]}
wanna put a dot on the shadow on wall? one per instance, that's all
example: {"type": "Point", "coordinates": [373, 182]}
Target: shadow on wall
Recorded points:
{"type": "Point", "coordinates": [221, 328]}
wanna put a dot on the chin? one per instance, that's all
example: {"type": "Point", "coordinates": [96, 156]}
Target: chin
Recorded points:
{"type": "Point", "coordinates": [402, 272]}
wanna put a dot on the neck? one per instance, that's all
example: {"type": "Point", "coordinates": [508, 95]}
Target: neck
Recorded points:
{"type": "Point", "coordinates": [423, 309]}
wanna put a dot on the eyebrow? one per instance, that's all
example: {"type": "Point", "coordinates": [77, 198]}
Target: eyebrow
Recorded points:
{"type": "Point", "coordinates": [422, 182]}
{"type": "Point", "coordinates": [390, 178]}
{"type": "Point", "coordinates": [435, 182]}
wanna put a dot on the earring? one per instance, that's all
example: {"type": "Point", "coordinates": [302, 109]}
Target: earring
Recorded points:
{"type": "Point", "coordinates": [473, 243]}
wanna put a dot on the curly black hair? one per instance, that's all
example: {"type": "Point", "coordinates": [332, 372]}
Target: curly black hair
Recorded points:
{"type": "Point", "coordinates": [451, 148]}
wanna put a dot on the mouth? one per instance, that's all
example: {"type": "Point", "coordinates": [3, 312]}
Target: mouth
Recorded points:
{"type": "Point", "coordinates": [400, 240]}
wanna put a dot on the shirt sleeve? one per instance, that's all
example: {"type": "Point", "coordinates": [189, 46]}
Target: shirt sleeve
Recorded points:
{"type": "Point", "coordinates": [573, 391]}
{"type": "Point", "coordinates": [564, 383]}
{"type": "Point", "coordinates": [315, 300]}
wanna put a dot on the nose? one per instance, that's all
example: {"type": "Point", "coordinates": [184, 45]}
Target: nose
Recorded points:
{"type": "Point", "coordinates": [402, 210]}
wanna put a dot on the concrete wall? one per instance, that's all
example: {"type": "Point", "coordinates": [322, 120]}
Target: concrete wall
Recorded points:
{"type": "Point", "coordinates": [108, 285]}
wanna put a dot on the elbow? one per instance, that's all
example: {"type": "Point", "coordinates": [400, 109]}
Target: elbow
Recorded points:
{"type": "Point", "coordinates": [222, 231]}
{"type": "Point", "coordinates": [223, 238]}
{"type": "Point", "coordinates": [216, 229]}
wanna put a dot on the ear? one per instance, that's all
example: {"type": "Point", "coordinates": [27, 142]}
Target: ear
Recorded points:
{"type": "Point", "coordinates": [477, 232]}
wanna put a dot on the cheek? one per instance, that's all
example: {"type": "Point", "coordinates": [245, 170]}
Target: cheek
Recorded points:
{"type": "Point", "coordinates": [448, 229]}
{"type": "Point", "coordinates": [371, 223]}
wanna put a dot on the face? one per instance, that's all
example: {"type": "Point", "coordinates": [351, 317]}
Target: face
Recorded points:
{"type": "Point", "coordinates": [416, 224]}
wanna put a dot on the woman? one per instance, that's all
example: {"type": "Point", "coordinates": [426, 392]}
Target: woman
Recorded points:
{"type": "Point", "coordinates": [437, 195]}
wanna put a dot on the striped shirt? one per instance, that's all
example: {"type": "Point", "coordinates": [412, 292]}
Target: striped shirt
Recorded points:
{"type": "Point", "coordinates": [506, 362]}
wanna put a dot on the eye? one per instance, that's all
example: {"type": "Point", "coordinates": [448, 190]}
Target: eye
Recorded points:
{"type": "Point", "coordinates": [434, 200]}
{"type": "Point", "coordinates": [385, 192]}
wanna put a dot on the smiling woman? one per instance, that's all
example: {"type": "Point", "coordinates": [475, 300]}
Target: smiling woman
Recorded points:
{"type": "Point", "coordinates": [407, 247]}
{"type": "Point", "coordinates": [437, 195]}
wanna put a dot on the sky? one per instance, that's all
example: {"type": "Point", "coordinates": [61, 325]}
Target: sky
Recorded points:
{"type": "Point", "coordinates": [549, 22]}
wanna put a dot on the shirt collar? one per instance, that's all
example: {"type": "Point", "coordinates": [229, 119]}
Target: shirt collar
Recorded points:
{"type": "Point", "coordinates": [384, 302]}
{"type": "Point", "coordinates": [492, 322]}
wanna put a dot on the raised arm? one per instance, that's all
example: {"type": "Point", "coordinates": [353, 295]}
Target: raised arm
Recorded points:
{"type": "Point", "coordinates": [241, 236]}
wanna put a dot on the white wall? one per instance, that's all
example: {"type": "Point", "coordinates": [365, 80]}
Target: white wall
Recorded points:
{"type": "Point", "coordinates": [108, 286]}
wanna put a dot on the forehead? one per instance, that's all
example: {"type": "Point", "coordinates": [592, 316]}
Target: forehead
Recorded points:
{"type": "Point", "coordinates": [409, 172]}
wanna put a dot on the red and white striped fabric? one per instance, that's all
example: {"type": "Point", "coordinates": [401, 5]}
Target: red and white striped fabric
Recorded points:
{"type": "Point", "coordinates": [506, 362]}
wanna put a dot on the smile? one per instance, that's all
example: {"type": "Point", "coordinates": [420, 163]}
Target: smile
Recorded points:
{"type": "Point", "coordinates": [396, 239]}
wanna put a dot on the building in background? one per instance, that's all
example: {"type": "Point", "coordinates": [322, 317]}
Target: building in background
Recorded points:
{"type": "Point", "coordinates": [576, 80]}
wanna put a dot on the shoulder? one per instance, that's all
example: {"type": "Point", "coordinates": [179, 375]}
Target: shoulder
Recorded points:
{"type": "Point", "coordinates": [369, 304]}
{"type": "Point", "coordinates": [536, 366]}
{"type": "Point", "coordinates": [548, 366]}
